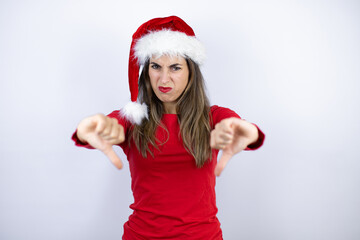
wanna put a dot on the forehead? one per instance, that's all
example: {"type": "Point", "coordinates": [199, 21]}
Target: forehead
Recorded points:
{"type": "Point", "coordinates": [168, 59]}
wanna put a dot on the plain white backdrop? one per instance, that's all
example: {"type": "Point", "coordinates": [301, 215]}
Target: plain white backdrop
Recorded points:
{"type": "Point", "coordinates": [292, 67]}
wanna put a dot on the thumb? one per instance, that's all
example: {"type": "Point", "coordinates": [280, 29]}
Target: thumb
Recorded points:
{"type": "Point", "coordinates": [225, 157]}
{"type": "Point", "coordinates": [114, 158]}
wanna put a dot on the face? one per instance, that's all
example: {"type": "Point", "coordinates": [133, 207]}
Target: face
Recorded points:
{"type": "Point", "coordinates": [169, 77]}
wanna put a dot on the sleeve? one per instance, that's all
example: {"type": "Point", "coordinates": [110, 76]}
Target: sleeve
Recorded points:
{"type": "Point", "coordinates": [115, 114]}
{"type": "Point", "coordinates": [220, 113]}
{"type": "Point", "coordinates": [78, 143]}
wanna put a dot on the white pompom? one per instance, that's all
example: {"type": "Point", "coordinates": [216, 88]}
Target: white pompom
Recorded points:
{"type": "Point", "coordinates": [135, 112]}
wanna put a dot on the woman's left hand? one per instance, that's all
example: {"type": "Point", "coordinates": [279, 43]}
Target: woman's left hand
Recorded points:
{"type": "Point", "coordinates": [231, 135]}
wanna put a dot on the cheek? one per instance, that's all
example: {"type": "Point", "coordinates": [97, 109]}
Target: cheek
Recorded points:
{"type": "Point", "coordinates": [184, 80]}
{"type": "Point", "coordinates": [152, 80]}
{"type": "Point", "coordinates": [185, 83]}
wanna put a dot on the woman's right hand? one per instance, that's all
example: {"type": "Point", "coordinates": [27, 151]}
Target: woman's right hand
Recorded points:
{"type": "Point", "coordinates": [101, 132]}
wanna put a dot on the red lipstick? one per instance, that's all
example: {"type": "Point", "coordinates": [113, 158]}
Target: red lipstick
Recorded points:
{"type": "Point", "coordinates": [165, 89]}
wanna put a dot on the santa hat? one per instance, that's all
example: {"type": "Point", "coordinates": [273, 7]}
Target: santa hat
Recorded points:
{"type": "Point", "coordinates": [160, 36]}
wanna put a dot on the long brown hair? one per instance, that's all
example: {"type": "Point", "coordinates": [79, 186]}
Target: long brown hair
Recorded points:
{"type": "Point", "coordinates": [193, 115]}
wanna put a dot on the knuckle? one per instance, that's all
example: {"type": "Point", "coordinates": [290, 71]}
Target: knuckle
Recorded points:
{"type": "Point", "coordinates": [113, 134]}
{"type": "Point", "coordinates": [99, 116]}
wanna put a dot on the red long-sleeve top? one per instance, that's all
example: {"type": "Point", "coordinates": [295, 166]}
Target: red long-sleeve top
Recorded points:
{"type": "Point", "coordinates": [173, 199]}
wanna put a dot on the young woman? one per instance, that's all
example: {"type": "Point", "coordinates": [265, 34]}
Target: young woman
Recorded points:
{"type": "Point", "coordinates": [171, 136]}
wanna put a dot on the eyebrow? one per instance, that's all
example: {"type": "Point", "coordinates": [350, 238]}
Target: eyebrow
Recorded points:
{"type": "Point", "coordinates": [172, 65]}
{"type": "Point", "coordinates": [175, 65]}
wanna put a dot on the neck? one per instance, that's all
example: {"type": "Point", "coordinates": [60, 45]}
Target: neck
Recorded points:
{"type": "Point", "coordinates": [170, 108]}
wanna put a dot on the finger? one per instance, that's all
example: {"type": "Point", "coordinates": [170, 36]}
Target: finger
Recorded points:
{"type": "Point", "coordinates": [226, 136]}
{"type": "Point", "coordinates": [226, 140]}
{"type": "Point", "coordinates": [112, 131]}
{"type": "Point", "coordinates": [108, 127]}
{"type": "Point", "coordinates": [100, 123]}
{"type": "Point", "coordinates": [219, 141]}
{"type": "Point", "coordinates": [224, 126]}
{"type": "Point", "coordinates": [120, 138]}
{"type": "Point", "coordinates": [225, 157]}
{"type": "Point", "coordinates": [116, 141]}
{"type": "Point", "coordinates": [116, 130]}
{"type": "Point", "coordinates": [114, 158]}
{"type": "Point", "coordinates": [221, 144]}
{"type": "Point", "coordinates": [117, 135]}
{"type": "Point", "coordinates": [212, 139]}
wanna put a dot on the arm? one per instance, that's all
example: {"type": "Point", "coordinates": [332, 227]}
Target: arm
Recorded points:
{"type": "Point", "coordinates": [101, 132]}
{"type": "Point", "coordinates": [232, 135]}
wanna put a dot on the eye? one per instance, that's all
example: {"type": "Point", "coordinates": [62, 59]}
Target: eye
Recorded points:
{"type": "Point", "coordinates": [155, 66]}
{"type": "Point", "coordinates": [175, 68]}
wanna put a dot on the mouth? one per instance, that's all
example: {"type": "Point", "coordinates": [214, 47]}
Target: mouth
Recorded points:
{"type": "Point", "coordinates": [165, 89]}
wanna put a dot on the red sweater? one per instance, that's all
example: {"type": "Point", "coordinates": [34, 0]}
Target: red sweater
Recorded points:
{"type": "Point", "coordinates": [173, 199]}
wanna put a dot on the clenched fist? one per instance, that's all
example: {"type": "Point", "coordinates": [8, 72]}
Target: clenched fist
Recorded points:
{"type": "Point", "coordinates": [231, 135]}
{"type": "Point", "coordinates": [102, 132]}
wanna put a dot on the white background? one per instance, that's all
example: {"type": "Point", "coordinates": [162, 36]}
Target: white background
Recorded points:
{"type": "Point", "coordinates": [292, 67]}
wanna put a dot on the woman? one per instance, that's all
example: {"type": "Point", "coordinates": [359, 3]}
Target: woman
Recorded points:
{"type": "Point", "coordinates": [171, 136]}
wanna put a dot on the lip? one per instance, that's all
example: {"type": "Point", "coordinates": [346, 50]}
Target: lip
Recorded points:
{"type": "Point", "coordinates": [165, 89]}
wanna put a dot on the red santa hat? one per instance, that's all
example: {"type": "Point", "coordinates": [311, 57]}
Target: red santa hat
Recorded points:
{"type": "Point", "coordinates": [157, 37]}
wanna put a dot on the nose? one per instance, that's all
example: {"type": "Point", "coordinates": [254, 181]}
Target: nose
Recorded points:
{"type": "Point", "coordinates": [165, 77]}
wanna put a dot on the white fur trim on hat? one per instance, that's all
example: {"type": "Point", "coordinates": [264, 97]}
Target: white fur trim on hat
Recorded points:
{"type": "Point", "coordinates": [135, 112]}
{"type": "Point", "coordinates": [168, 42]}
